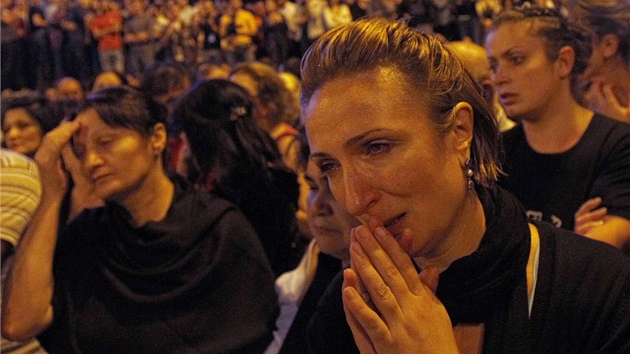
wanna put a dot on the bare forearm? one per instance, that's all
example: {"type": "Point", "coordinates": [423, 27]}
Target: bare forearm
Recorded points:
{"type": "Point", "coordinates": [615, 231]}
{"type": "Point", "coordinates": [27, 300]}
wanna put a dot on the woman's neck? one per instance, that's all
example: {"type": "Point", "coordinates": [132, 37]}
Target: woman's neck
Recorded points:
{"type": "Point", "coordinates": [151, 200]}
{"type": "Point", "coordinates": [558, 127]}
{"type": "Point", "coordinates": [463, 237]}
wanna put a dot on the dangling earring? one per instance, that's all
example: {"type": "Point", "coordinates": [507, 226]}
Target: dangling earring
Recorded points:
{"type": "Point", "coordinates": [469, 173]}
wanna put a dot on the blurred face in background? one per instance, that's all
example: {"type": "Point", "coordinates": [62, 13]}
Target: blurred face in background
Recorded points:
{"type": "Point", "coordinates": [21, 132]}
{"type": "Point", "coordinates": [329, 223]}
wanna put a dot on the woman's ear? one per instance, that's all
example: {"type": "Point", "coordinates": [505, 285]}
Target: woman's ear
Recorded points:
{"type": "Point", "coordinates": [609, 44]}
{"type": "Point", "coordinates": [463, 121]}
{"type": "Point", "coordinates": [158, 138]}
{"type": "Point", "coordinates": [565, 61]}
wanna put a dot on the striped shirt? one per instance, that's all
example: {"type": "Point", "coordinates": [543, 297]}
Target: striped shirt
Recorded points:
{"type": "Point", "coordinates": [20, 191]}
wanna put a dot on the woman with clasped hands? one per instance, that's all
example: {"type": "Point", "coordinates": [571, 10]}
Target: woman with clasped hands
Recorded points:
{"type": "Point", "coordinates": [407, 144]}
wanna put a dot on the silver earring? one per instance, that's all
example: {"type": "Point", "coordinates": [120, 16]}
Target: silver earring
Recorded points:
{"type": "Point", "coordinates": [469, 173]}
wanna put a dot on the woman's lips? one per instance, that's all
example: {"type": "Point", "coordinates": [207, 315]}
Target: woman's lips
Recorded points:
{"type": "Point", "coordinates": [395, 225]}
{"type": "Point", "coordinates": [322, 230]}
{"type": "Point", "coordinates": [507, 98]}
{"type": "Point", "coordinates": [99, 178]}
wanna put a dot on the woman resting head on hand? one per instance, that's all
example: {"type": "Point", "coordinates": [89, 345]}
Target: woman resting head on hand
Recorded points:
{"type": "Point", "coordinates": [161, 267]}
{"type": "Point", "coordinates": [408, 144]}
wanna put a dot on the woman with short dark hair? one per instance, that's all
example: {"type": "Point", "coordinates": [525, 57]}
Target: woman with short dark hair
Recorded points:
{"type": "Point", "coordinates": [160, 268]}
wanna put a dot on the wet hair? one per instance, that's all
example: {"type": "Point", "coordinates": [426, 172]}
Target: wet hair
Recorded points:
{"type": "Point", "coordinates": [605, 17]}
{"type": "Point", "coordinates": [224, 138]}
{"type": "Point", "coordinates": [127, 107]}
{"type": "Point", "coordinates": [45, 112]}
{"type": "Point", "coordinates": [272, 91]}
{"type": "Point", "coordinates": [557, 32]}
{"type": "Point", "coordinates": [425, 67]}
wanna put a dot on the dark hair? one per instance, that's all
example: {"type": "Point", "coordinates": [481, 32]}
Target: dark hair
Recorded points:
{"type": "Point", "coordinates": [304, 152]}
{"type": "Point", "coordinates": [292, 65]}
{"type": "Point", "coordinates": [165, 76]}
{"type": "Point", "coordinates": [124, 106]}
{"type": "Point", "coordinates": [557, 32]}
{"type": "Point", "coordinates": [604, 17]}
{"type": "Point", "coordinates": [224, 138]}
{"type": "Point", "coordinates": [426, 69]}
{"type": "Point", "coordinates": [272, 91]}
{"type": "Point", "coordinates": [46, 113]}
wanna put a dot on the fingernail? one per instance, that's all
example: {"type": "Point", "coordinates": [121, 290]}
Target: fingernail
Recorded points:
{"type": "Point", "coordinates": [380, 232]}
{"type": "Point", "coordinates": [362, 233]}
{"type": "Point", "coordinates": [348, 294]}
{"type": "Point", "coordinates": [355, 247]}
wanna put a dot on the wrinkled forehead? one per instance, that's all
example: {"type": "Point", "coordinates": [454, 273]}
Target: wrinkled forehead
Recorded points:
{"type": "Point", "coordinates": [89, 123]}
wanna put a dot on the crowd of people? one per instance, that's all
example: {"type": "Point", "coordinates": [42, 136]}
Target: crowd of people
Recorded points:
{"type": "Point", "coordinates": [381, 176]}
{"type": "Point", "coordinates": [45, 40]}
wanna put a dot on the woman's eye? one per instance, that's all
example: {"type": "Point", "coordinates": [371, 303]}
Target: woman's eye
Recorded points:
{"type": "Point", "coordinates": [493, 66]}
{"type": "Point", "coordinates": [104, 142]}
{"type": "Point", "coordinates": [326, 167]}
{"type": "Point", "coordinates": [78, 151]}
{"type": "Point", "coordinates": [375, 148]}
{"type": "Point", "coordinates": [517, 59]}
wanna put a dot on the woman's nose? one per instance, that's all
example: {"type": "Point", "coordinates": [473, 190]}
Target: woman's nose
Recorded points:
{"type": "Point", "coordinates": [321, 204]}
{"type": "Point", "coordinates": [13, 132]}
{"type": "Point", "coordinates": [91, 160]}
{"type": "Point", "coordinates": [359, 194]}
{"type": "Point", "coordinates": [500, 76]}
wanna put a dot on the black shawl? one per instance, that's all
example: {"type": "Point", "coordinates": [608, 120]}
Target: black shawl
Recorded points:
{"type": "Point", "coordinates": [196, 282]}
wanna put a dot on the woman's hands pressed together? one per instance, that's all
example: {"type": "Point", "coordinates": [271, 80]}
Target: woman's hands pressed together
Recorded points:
{"type": "Point", "coordinates": [389, 306]}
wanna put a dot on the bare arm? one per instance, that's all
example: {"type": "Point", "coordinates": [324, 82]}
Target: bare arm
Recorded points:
{"type": "Point", "coordinates": [614, 230]}
{"type": "Point", "coordinates": [593, 221]}
{"type": "Point", "coordinates": [27, 300]}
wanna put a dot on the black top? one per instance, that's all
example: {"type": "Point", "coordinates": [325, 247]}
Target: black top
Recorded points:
{"type": "Point", "coordinates": [270, 207]}
{"type": "Point", "coordinates": [295, 340]}
{"type": "Point", "coordinates": [581, 300]}
{"type": "Point", "coordinates": [553, 186]}
{"type": "Point", "coordinates": [196, 282]}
